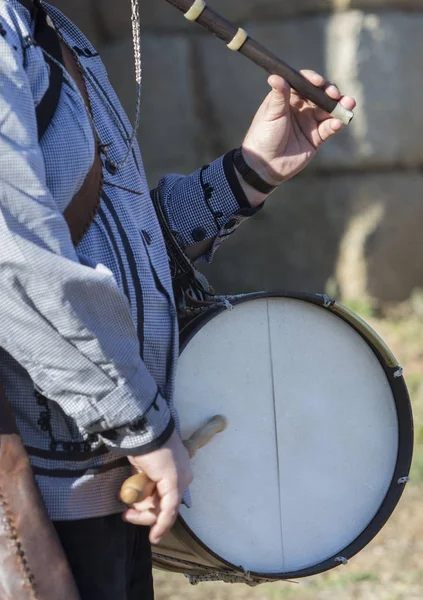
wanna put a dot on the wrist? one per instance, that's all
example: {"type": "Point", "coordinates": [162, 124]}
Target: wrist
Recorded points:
{"type": "Point", "coordinates": [260, 166]}
{"type": "Point", "coordinates": [255, 198]}
{"type": "Point", "coordinates": [249, 173]}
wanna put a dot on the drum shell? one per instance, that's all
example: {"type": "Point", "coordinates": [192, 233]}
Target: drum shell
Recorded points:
{"type": "Point", "coordinates": [179, 552]}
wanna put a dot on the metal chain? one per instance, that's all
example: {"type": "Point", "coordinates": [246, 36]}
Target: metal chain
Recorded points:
{"type": "Point", "coordinates": [136, 37]}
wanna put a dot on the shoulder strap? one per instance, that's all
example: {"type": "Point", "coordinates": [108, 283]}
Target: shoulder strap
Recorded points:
{"type": "Point", "coordinates": [47, 39]}
{"type": "Point", "coordinates": [82, 209]}
{"type": "Point", "coordinates": [29, 4]}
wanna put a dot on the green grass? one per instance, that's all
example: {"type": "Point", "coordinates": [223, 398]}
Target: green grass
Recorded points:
{"type": "Point", "coordinates": [334, 582]}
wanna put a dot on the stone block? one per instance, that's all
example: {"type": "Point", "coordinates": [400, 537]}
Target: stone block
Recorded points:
{"type": "Point", "coordinates": [370, 57]}
{"type": "Point", "coordinates": [244, 10]}
{"type": "Point", "coordinates": [169, 133]}
{"type": "Point", "coordinates": [362, 232]}
{"type": "Point", "coordinates": [83, 14]}
{"type": "Point", "coordinates": [366, 54]}
{"type": "Point", "coordinates": [381, 254]}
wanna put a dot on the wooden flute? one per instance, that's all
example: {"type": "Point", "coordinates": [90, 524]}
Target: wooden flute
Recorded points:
{"type": "Point", "coordinates": [238, 40]}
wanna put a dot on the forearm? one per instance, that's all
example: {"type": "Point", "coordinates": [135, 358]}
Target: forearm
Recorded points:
{"type": "Point", "coordinates": [206, 207]}
{"type": "Point", "coordinates": [255, 198]}
{"type": "Point", "coordinates": [70, 327]}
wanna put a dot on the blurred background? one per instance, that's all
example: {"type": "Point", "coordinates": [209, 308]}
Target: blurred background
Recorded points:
{"type": "Point", "coordinates": [350, 225]}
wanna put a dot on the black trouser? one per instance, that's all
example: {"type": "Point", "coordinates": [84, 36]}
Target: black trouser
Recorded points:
{"type": "Point", "coordinates": [110, 559]}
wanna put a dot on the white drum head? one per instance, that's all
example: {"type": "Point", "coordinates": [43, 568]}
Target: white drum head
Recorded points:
{"type": "Point", "coordinates": [312, 438]}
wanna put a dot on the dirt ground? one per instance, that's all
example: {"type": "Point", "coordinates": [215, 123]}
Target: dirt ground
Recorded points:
{"type": "Point", "coordinates": [391, 567]}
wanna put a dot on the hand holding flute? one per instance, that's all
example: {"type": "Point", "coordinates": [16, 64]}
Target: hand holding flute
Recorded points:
{"type": "Point", "coordinates": [287, 131]}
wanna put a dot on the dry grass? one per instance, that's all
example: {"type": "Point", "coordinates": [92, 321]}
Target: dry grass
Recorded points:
{"type": "Point", "coordinates": [391, 567]}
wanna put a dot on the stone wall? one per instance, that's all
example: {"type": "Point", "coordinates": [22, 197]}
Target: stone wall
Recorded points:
{"type": "Point", "coordinates": [354, 216]}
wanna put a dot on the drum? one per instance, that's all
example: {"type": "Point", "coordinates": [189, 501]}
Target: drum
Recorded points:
{"type": "Point", "coordinates": [318, 446]}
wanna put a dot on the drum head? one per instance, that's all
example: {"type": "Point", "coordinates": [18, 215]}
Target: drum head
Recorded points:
{"type": "Point", "coordinates": [312, 441]}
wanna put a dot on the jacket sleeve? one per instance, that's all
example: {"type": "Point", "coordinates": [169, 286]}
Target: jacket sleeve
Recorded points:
{"type": "Point", "coordinates": [67, 324]}
{"type": "Point", "coordinates": [209, 204]}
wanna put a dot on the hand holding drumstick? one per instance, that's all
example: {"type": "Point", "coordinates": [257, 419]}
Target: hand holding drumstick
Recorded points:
{"type": "Point", "coordinates": [156, 491]}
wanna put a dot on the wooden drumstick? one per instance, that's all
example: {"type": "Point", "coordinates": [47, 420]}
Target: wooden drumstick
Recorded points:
{"type": "Point", "coordinates": [139, 486]}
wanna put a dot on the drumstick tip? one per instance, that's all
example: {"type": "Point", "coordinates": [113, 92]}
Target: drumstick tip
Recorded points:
{"type": "Point", "coordinates": [129, 495]}
{"type": "Point", "coordinates": [220, 422]}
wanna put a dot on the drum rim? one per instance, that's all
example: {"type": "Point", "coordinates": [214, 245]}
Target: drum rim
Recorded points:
{"type": "Point", "coordinates": [403, 408]}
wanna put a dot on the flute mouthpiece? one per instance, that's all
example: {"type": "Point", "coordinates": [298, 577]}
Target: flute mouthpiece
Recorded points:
{"type": "Point", "coordinates": [341, 113]}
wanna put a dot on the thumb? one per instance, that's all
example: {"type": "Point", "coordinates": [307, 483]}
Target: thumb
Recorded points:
{"type": "Point", "coordinates": [278, 101]}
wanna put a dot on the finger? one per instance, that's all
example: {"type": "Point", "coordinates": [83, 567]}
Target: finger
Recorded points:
{"type": "Point", "coordinates": [331, 88]}
{"type": "Point", "coordinates": [277, 82]}
{"type": "Point", "coordinates": [149, 503]}
{"type": "Point", "coordinates": [169, 506]}
{"type": "Point", "coordinates": [348, 102]}
{"type": "Point", "coordinates": [145, 512]}
{"type": "Point", "coordinates": [332, 91]}
{"type": "Point", "coordinates": [277, 102]}
{"type": "Point", "coordinates": [329, 128]}
{"type": "Point", "coordinates": [146, 518]}
{"type": "Point", "coordinates": [313, 77]}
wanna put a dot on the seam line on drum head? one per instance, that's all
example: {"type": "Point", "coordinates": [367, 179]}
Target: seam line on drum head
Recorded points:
{"type": "Point", "coordinates": [276, 432]}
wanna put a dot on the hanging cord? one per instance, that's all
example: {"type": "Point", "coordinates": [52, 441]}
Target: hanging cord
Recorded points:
{"type": "Point", "coordinates": [136, 38]}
